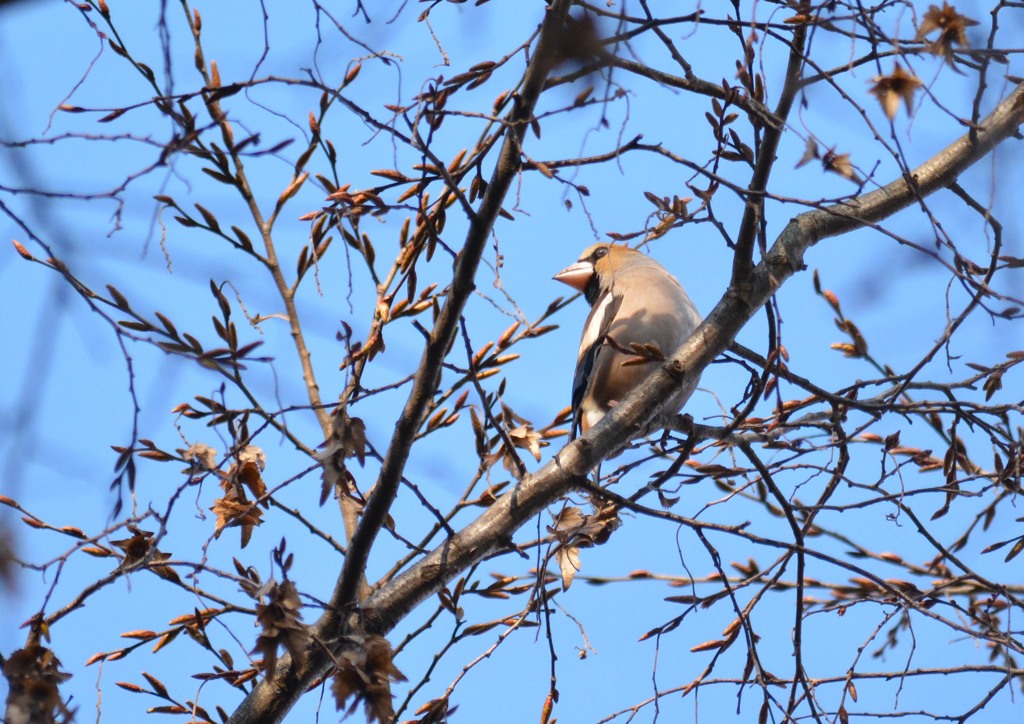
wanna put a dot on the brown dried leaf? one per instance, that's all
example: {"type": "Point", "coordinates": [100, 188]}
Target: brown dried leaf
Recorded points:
{"type": "Point", "coordinates": [281, 623]}
{"type": "Point", "coordinates": [526, 437]}
{"type": "Point", "coordinates": [364, 673]}
{"type": "Point", "coordinates": [891, 89]}
{"type": "Point", "coordinates": [952, 27]}
{"type": "Point", "coordinates": [839, 163]}
{"type": "Point", "coordinates": [235, 510]}
{"type": "Point", "coordinates": [993, 384]}
{"type": "Point", "coordinates": [810, 152]}
{"type": "Point", "coordinates": [568, 558]}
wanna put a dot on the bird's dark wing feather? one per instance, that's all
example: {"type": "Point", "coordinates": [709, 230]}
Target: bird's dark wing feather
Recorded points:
{"type": "Point", "coordinates": [588, 356]}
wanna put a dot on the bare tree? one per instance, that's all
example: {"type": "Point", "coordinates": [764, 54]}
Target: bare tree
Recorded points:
{"type": "Point", "coordinates": [871, 493]}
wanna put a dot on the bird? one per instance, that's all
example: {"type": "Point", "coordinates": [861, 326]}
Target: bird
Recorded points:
{"type": "Point", "coordinates": [639, 315]}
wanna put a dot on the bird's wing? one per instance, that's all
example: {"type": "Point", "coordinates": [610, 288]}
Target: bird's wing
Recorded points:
{"type": "Point", "coordinates": [594, 332]}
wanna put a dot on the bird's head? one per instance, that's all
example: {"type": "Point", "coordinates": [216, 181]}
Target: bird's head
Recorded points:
{"type": "Point", "coordinates": [596, 267]}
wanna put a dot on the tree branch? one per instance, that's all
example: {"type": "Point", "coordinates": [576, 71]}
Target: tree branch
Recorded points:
{"type": "Point", "coordinates": [385, 608]}
{"type": "Point", "coordinates": [272, 699]}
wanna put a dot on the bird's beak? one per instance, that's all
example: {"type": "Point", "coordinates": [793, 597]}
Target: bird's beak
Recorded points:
{"type": "Point", "coordinates": [576, 276]}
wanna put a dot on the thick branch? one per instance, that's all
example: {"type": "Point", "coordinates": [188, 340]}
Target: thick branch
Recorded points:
{"type": "Point", "coordinates": [785, 258]}
{"type": "Point", "coordinates": [428, 373]}
{"type": "Point", "coordinates": [754, 209]}
{"type": "Point", "coordinates": [493, 530]}
{"type": "Point", "coordinates": [495, 527]}
{"type": "Point", "coordinates": [272, 699]}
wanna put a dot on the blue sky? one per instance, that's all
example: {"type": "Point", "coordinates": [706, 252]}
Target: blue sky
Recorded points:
{"type": "Point", "coordinates": [67, 401]}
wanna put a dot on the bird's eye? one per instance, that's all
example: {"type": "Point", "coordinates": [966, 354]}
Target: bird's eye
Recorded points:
{"type": "Point", "coordinates": [600, 253]}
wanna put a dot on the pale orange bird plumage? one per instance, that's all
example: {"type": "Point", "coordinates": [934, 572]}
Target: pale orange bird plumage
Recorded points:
{"type": "Point", "coordinates": [634, 301]}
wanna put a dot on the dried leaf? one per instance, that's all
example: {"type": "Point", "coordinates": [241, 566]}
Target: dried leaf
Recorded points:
{"type": "Point", "coordinates": [952, 27]}
{"type": "Point", "coordinates": [526, 437]}
{"type": "Point", "coordinates": [281, 621]}
{"type": "Point", "coordinates": [891, 89]}
{"type": "Point", "coordinates": [839, 163]}
{"type": "Point", "coordinates": [364, 672]}
{"type": "Point", "coordinates": [568, 559]}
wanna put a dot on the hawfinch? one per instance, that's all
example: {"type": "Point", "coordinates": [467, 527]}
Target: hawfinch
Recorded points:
{"type": "Point", "coordinates": [638, 311]}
